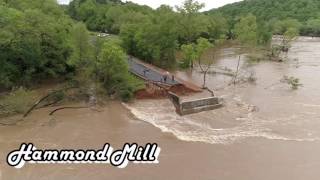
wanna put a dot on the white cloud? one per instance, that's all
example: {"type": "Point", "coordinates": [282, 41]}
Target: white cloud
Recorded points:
{"type": "Point", "coordinates": [154, 4]}
{"type": "Point", "coordinates": [209, 3]}
{"type": "Point", "coordinates": [64, 1]}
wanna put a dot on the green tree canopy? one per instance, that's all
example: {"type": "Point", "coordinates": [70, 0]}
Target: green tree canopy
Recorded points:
{"type": "Point", "coordinates": [246, 30]}
{"type": "Point", "coordinates": [34, 41]}
{"type": "Point", "coordinates": [112, 69]}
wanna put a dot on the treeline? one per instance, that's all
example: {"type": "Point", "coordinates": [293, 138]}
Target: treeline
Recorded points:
{"type": "Point", "coordinates": [156, 35]}
{"type": "Point", "coordinates": [303, 14]}
{"type": "Point", "coordinates": [39, 41]}
{"type": "Point", "coordinates": [33, 41]}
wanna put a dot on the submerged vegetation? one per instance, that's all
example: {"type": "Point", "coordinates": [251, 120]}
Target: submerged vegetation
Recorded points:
{"type": "Point", "coordinates": [17, 101]}
{"type": "Point", "coordinates": [292, 81]}
{"type": "Point", "coordinates": [41, 40]}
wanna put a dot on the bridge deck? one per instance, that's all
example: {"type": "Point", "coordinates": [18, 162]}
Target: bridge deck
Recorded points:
{"type": "Point", "coordinates": [152, 73]}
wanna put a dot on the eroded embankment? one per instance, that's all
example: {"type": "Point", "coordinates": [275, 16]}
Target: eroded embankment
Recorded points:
{"type": "Point", "coordinates": [266, 109]}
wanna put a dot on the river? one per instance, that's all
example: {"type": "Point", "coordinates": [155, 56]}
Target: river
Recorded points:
{"type": "Point", "coordinates": [281, 113]}
{"type": "Point", "coordinates": [266, 130]}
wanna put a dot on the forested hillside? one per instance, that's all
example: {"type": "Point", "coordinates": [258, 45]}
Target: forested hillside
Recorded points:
{"type": "Point", "coordinates": [34, 42]}
{"type": "Point", "coordinates": [156, 35]}
{"type": "Point", "coordinates": [306, 12]}
{"type": "Point", "coordinates": [40, 41]}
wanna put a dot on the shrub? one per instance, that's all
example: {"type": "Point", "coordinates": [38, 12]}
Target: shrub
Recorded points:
{"type": "Point", "coordinates": [18, 101]}
{"type": "Point", "coordinates": [292, 81]}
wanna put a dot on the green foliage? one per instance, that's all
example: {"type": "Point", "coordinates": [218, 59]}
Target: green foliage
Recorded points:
{"type": "Point", "coordinates": [154, 40]}
{"type": "Point", "coordinates": [246, 30]}
{"type": "Point", "coordinates": [217, 27]}
{"type": "Point", "coordinates": [190, 22]}
{"type": "Point", "coordinates": [266, 10]}
{"type": "Point", "coordinates": [190, 7]}
{"type": "Point", "coordinates": [282, 14]}
{"type": "Point", "coordinates": [290, 31]}
{"type": "Point", "coordinates": [33, 41]}
{"type": "Point", "coordinates": [38, 41]}
{"type": "Point", "coordinates": [106, 16]}
{"type": "Point", "coordinates": [312, 27]}
{"type": "Point", "coordinates": [151, 35]}
{"type": "Point", "coordinates": [18, 101]}
{"type": "Point", "coordinates": [292, 81]}
{"type": "Point", "coordinates": [281, 27]}
{"type": "Point", "coordinates": [290, 34]}
{"type": "Point", "coordinates": [202, 46]}
{"type": "Point", "coordinates": [264, 34]}
{"type": "Point", "coordinates": [112, 70]}
{"type": "Point", "coordinates": [192, 52]}
{"type": "Point", "coordinates": [189, 55]}
{"type": "Point", "coordinates": [101, 61]}
{"type": "Point", "coordinates": [81, 56]}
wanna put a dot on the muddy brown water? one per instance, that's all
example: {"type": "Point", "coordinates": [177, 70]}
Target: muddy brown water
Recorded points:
{"type": "Point", "coordinates": [265, 131]}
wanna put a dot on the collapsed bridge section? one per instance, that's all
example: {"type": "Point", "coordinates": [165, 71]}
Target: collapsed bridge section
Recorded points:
{"type": "Point", "coordinates": [159, 81]}
{"type": "Point", "coordinates": [195, 105]}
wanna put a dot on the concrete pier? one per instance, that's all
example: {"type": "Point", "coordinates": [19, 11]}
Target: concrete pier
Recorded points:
{"type": "Point", "coordinates": [194, 106]}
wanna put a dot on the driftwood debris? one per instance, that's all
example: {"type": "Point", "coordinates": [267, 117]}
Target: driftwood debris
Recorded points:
{"type": "Point", "coordinates": [62, 108]}
{"type": "Point", "coordinates": [46, 97]}
{"type": "Point", "coordinates": [210, 91]}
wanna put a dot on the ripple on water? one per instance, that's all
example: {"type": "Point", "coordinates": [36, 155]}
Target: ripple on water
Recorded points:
{"type": "Point", "coordinates": [202, 127]}
{"type": "Point", "coordinates": [284, 114]}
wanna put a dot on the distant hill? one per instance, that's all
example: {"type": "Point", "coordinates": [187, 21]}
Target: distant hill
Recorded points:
{"type": "Point", "coordinates": [267, 10]}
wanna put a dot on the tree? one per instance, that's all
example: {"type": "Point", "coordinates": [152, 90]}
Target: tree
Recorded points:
{"type": "Point", "coordinates": [34, 42]}
{"type": "Point", "coordinates": [217, 27]}
{"type": "Point", "coordinates": [112, 64]}
{"type": "Point", "coordinates": [112, 69]}
{"type": "Point", "coordinates": [202, 46]}
{"type": "Point", "coordinates": [189, 55]}
{"type": "Point", "coordinates": [290, 34]}
{"type": "Point", "coordinates": [280, 27]}
{"type": "Point", "coordinates": [190, 7]}
{"type": "Point", "coordinates": [312, 28]}
{"type": "Point", "coordinates": [194, 52]}
{"type": "Point", "coordinates": [81, 55]}
{"type": "Point", "coordinates": [153, 40]}
{"type": "Point", "coordinates": [264, 33]}
{"type": "Point", "coordinates": [191, 23]}
{"type": "Point", "coordinates": [246, 30]}
{"type": "Point", "coordinates": [266, 10]}
{"type": "Point", "coordinates": [289, 29]}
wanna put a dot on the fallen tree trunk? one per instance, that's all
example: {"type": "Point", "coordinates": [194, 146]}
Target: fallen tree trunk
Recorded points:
{"type": "Point", "coordinates": [44, 98]}
{"type": "Point", "coordinates": [58, 109]}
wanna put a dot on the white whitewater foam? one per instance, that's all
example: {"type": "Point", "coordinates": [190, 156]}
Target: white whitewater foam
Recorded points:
{"type": "Point", "coordinates": [161, 114]}
{"type": "Point", "coordinates": [309, 105]}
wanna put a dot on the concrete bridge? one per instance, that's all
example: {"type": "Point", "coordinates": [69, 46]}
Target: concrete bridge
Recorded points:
{"type": "Point", "coordinates": [155, 76]}
{"type": "Point", "coordinates": [148, 72]}
{"type": "Point", "coordinates": [195, 105]}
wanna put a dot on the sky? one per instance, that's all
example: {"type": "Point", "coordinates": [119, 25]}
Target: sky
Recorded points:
{"type": "Point", "coordinates": [210, 4]}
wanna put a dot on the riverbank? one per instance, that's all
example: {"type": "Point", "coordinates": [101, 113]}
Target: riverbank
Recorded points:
{"type": "Point", "coordinates": [265, 131]}
{"type": "Point", "coordinates": [255, 158]}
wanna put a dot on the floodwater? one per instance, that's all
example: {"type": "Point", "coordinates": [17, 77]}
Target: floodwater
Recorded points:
{"type": "Point", "coordinates": [265, 130]}
{"type": "Point", "coordinates": [266, 108]}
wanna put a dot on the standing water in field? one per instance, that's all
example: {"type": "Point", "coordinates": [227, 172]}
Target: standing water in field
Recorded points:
{"type": "Point", "coordinates": [266, 109]}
